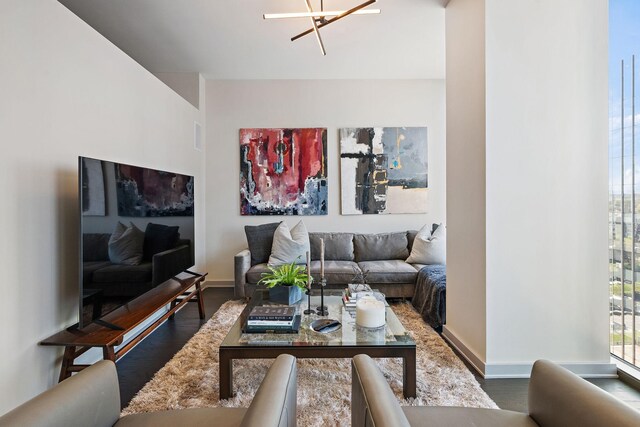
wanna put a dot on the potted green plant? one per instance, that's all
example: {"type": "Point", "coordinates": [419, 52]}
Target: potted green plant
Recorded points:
{"type": "Point", "coordinates": [285, 283]}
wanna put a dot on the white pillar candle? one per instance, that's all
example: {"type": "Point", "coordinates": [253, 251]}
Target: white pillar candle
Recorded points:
{"type": "Point", "coordinates": [322, 258]}
{"type": "Point", "coordinates": [370, 312]}
{"type": "Point", "coordinates": [308, 270]}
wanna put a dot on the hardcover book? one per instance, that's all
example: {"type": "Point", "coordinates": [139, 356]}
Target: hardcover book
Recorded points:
{"type": "Point", "coordinates": [275, 329]}
{"type": "Point", "coordinates": [272, 313]}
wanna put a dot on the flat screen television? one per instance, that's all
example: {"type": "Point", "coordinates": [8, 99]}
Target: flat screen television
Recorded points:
{"type": "Point", "coordinates": [136, 232]}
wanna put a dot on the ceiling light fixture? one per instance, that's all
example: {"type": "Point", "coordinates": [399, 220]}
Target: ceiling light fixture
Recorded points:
{"type": "Point", "coordinates": [319, 19]}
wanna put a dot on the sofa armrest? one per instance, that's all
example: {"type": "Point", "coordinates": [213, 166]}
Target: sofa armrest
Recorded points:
{"type": "Point", "coordinates": [558, 397]}
{"type": "Point", "coordinates": [242, 264]}
{"type": "Point", "coordinates": [372, 401]}
{"type": "Point", "coordinates": [89, 398]}
{"type": "Point", "coordinates": [274, 404]}
{"type": "Point", "coordinates": [167, 264]}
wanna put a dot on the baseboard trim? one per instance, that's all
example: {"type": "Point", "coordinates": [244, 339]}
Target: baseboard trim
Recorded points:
{"type": "Point", "coordinates": [523, 370]}
{"type": "Point", "coordinates": [218, 284]}
{"type": "Point", "coordinates": [463, 350]}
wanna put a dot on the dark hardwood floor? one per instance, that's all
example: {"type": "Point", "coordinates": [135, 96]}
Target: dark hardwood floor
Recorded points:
{"type": "Point", "coordinates": [139, 365]}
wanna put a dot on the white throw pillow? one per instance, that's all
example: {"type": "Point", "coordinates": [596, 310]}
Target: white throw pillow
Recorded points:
{"type": "Point", "coordinates": [289, 245]}
{"type": "Point", "coordinates": [429, 248]}
{"type": "Point", "coordinates": [126, 245]}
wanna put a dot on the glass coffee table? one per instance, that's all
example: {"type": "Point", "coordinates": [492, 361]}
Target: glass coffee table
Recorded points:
{"type": "Point", "coordinates": [390, 341]}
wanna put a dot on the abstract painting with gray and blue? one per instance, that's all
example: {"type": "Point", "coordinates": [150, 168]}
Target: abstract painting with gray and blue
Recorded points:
{"type": "Point", "coordinates": [384, 170]}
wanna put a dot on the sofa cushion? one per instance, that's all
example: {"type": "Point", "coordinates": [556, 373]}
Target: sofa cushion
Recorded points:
{"type": "Point", "coordinates": [125, 245]}
{"type": "Point", "coordinates": [89, 267]}
{"type": "Point", "coordinates": [260, 240]}
{"type": "Point", "coordinates": [159, 238]}
{"type": "Point", "coordinates": [337, 246]}
{"type": "Point", "coordinates": [95, 247]}
{"type": "Point", "coordinates": [371, 247]}
{"type": "Point", "coordinates": [388, 271]}
{"type": "Point", "coordinates": [123, 273]}
{"type": "Point", "coordinates": [462, 417]}
{"type": "Point", "coordinates": [196, 417]}
{"type": "Point", "coordinates": [255, 272]}
{"type": "Point", "coordinates": [335, 272]}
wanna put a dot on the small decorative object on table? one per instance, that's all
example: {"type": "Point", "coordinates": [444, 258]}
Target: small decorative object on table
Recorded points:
{"type": "Point", "coordinates": [285, 283]}
{"type": "Point", "coordinates": [350, 294]}
{"type": "Point", "coordinates": [325, 325]}
{"type": "Point", "coordinates": [370, 310]}
{"type": "Point", "coordinates": [359, 276]}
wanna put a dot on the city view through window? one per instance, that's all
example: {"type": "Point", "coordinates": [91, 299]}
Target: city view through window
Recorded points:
{"type": "Point", "coordinates": [624, 180]}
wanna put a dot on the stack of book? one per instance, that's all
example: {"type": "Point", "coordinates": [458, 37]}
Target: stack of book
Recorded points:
{"type": "Point", "coordinates": [266, 319]}
{"type": "Point", "coordinates": [350, 294]}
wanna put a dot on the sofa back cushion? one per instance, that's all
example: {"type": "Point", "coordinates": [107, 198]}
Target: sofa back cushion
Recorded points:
{"type": "Point", "coordinates": [95, 247]}
{"type": "Point", "coordinates": [372, 247]}
{"type": "Point", "coordinates": [337, 246]}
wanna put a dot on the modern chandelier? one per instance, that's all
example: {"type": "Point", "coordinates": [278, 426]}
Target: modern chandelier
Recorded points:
{"type": "Point", "coordinates": [322, 18]}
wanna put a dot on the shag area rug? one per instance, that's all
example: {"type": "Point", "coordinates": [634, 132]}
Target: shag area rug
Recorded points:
{"type": "Point", "coordinates": [190, 378]}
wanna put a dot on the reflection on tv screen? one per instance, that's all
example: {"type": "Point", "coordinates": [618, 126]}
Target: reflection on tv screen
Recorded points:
{"type": "Point", "coordinates": [137, 228]}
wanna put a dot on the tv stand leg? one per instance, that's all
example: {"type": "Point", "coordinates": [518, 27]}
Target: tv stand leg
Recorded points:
{"type": "Point", "coordinates": [67, 360]}
{"type": "Point", "coordinates": [200, 300]}
{"type": "Point", "coordinates": [108, 353]}
{"type": "Point", "coordinates": [173, 305]}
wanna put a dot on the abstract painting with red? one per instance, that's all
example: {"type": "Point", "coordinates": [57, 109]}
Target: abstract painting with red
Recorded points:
{"type": "Point", "coordinates": [283, 171]}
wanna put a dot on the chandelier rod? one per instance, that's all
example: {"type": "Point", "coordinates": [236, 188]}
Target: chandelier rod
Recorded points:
{"type": "Point", "coordinates": [332, 20]}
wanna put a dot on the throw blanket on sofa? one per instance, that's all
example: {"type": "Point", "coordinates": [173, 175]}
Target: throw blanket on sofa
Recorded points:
{"type": "Point", "coordinates": [430, 294]}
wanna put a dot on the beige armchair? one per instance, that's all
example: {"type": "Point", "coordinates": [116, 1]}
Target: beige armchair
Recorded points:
{"type": "Point", "coordinates": [91, 398]}
{"type": "Point", "coordinates": [557, 398]}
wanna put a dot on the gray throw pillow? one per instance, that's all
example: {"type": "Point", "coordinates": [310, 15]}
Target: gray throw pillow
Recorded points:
{"type": "Point", "coordinates": [259, 241]}
{"type": "Point", "coordinates": [125, 245]}
{"type": "Point", "coordinates": [374, 247]}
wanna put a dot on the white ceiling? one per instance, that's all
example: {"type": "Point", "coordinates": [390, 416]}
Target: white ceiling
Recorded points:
{"type": "Point", "coordinates": [228, 39]}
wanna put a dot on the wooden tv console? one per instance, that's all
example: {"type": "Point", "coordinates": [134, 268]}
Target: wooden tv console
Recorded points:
{"type": "Point", "coordinates": [77, 341]}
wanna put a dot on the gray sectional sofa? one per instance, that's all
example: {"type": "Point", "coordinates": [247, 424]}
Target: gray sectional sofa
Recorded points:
{"type": "Point", "coordinates": [382, 256]}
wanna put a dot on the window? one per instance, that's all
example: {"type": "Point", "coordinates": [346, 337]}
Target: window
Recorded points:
{"type": "Point", "coordinates": [624, 180]}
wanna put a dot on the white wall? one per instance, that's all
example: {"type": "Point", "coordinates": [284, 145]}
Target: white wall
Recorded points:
{"type": "Point", "coordinates": [232, 105]}
{"type": "Point", "coordinates": [543, 66]}
{"type": "Point", "coordinates": [466, 273]}
{"type": "Point", "coordinates": [547, 277]}
{"type": "Point", "coordinates": [66, 91]}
